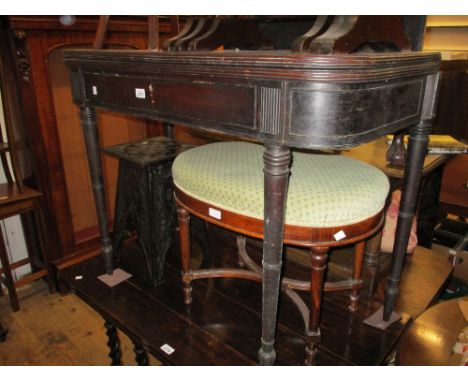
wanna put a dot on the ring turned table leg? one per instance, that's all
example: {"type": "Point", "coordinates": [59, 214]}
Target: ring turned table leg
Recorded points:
{"type": "Point", "coordinates": [417, 149]}
{"type": "Point", "coordinates": [89, 126]}
{"type": "Point", "coordinates": [276, 160]}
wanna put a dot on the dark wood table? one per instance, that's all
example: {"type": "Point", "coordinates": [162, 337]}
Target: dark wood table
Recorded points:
{"type": "Point", "coordinates": [430, 339]}
{"type": "Point", "coordinates": [279, 98]}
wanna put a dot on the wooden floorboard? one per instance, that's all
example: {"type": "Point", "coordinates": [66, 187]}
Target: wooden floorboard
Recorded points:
{"type": "Point", "coordinates": [56, 330]}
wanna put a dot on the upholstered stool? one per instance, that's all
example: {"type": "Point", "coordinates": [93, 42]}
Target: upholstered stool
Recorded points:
{"type": "Point", "coordinates": [332, 200]}
{"type": "Point", "coordinates": [144, 203]}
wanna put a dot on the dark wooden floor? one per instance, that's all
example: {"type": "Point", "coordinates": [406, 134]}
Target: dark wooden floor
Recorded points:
{"type": "Point", "coordinates": [223, 324]}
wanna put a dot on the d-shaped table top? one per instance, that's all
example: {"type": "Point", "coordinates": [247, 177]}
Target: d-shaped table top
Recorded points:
{"type": "Point", "coordinates": [299, 100]}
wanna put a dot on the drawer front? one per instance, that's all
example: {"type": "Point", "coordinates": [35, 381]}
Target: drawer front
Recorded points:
{"type": "Point", "coordinates": [181, 100]}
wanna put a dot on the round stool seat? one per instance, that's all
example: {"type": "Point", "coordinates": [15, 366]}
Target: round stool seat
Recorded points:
{"type": "Point", "coordinates": [324, 190]}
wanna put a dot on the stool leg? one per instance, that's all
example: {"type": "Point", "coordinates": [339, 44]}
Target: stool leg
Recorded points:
{"type": "Point", "coordinates": [318, 257]}
{"type": "Point", "coordinates": [9, 281]}
{"type": "Point", "coordinates": [183, 218]}
{"type": "Point", "coordinates": [371, 264]}
{"type": "Point", "coordinates": [241, 240]}
{"type": "Point", "coordinates": [199, 232]}
{"type": "Point", "coordinates": [357, 270]}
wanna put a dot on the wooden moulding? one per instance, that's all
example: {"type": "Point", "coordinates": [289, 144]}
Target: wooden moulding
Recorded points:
{"type": "Point", "coordinates": [250, 88]}
{"type": "Point", "coordinates": [293, 235]}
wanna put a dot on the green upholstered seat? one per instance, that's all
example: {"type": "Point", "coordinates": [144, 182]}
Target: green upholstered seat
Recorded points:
{"type": "Point", "coordinates": [324, 190]}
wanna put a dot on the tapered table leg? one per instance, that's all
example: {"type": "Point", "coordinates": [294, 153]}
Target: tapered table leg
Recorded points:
{"type": "Point", "coordinates": [113, 343]}
{"type": "Point", "coordinates": [89, 126]}
{"type": "Point", "coordinates": [417, 148]}
{"type": "Point", "coordinates": [276, 159]}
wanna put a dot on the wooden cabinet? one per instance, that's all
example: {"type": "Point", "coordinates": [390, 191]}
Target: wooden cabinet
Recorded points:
{"type": "Point", "coordinates": [56, 154]}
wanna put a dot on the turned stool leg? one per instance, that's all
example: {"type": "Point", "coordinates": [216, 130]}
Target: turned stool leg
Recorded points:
{"type": "Point", "coordinates": [240, 241]}
{"type": "Point", "coordinates": [183, 218]}
{"type": "Point", "coordinates": [199, 231]}
{"type": "Point", "coordinates": [318, 258]}
{"type": "Point", "coordinates": [371, 264]}
{"type": "Point", "coordinates": [357, 270]}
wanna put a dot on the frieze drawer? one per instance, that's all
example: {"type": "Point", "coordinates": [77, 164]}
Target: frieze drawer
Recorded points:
{"type": "Point", "coordinates": [189, 100]}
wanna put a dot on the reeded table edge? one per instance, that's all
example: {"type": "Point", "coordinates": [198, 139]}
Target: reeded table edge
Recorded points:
{"type": "Point", "coordinates": [262, 64]}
